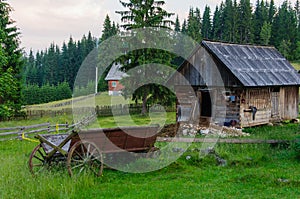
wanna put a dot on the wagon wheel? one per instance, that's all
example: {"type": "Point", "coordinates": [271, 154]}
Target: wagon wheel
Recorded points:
{"type": "Point", "coordinates": [84, 156]}
{"type": "Point", "coordinates": [37, 160]}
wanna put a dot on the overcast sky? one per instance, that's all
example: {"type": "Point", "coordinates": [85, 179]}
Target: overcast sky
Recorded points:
{"type": "Point", "coordinates": [42, 22]}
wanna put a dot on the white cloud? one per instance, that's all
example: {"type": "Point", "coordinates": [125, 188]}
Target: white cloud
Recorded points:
{"type": "Point", "coordinates": [47, 21]}
{"type": "Point", "coordinates": [42, 22]}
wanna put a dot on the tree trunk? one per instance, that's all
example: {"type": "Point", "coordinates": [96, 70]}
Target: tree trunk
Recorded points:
{"type": "Point", "coordinates": [144, 106]}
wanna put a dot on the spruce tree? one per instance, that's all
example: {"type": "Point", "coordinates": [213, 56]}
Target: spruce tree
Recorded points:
{"type": "Point", "coordinates": [107, 31]}
{"type": "Point", "coordinates": [11, 65]}
{"type": "Point", "coordinates": [265, 33]}
{"type": "Point", "coordinates": [228, 18]}
{"type": "Point", "coordinates": [245, 22]}
{"type": "Point", "coordinates": [235, 20]}
{"type": "Point", "coordinates": [259, 18]}
{"type": "Point", "coordinates": [284, 22]}
{"type": "Point", "coordinates": [184, 27]}
{"type": "Point", "coordinates": [272, 11]}
{"type": "Point", "coordinates": [217, 25]}
{"type": "Point", "coordinates": [145, 14]}
{"type": "Point", "coordinates": [206, 24]}
{"type": "Point", "coordinates": [194, 24]}
{"type": "Point", "coordinates": [177, 24]}
{"type": "Point", "coordinates": [257, 22]}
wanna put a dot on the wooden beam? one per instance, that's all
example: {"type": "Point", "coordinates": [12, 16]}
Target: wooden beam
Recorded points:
{"type": "Point", "coordinates": [221, 140]}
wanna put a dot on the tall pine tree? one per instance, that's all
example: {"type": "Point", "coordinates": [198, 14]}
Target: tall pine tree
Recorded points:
{"type": "Point", "coordinates": [206, 24]}
{"type": "Point", "coordinates": [177, 25]}
{"type": "Point", "coordinates": [11, 65]}
{"type": "Point", "coordinates": [245, 22]}
{"type": "Point", "coordinates": [194, 25]}
{"type": "Point", "coordinates": [217, 25]}
{"type": "Point", "coordinates": [109, 29]}
{"type": "Point", "coordinates": [145, 14]}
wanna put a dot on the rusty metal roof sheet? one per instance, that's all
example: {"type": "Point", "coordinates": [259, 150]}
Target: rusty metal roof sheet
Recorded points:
{"type": "Point", "coordinates": [254, 65]}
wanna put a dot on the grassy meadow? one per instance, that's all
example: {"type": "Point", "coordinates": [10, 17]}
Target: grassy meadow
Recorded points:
{"type": "Point", "coordinates": [102, 99]}
{"type": "Point", "coordinates": [251, 171]}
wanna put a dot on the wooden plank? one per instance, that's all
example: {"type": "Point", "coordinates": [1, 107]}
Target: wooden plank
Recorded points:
{"type": "Point", "coordinates": [10, 128]}
{"type": "Point", "coordinates": [37, 126]}
{"type": "Point", "coordinates": [215, 140]}
{"type": "Point", "coordinates": [37, 131]}
{"type": "Point", "coordinates": [25, 127]}
{"type": "Point", "coordinates": [10, 133]}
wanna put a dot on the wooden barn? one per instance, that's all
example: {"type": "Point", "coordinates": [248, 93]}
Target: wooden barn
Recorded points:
{"type": "Point", "coordinates": [243, 85]}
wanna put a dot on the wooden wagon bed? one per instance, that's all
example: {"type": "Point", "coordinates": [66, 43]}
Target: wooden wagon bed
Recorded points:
{"type": "Point", "coordinates": [85, 149]}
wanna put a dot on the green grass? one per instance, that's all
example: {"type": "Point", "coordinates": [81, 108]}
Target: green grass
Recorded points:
{"type": "Point", "coordinates": [296, 65]}
{"type": "Point", "coordinates": [102, 122]}
{"type": "Point", "coordinates": [252, 171]}
{"type": "Point", "coordinates": [102, 99]}
{"type": "Point", "coordinates": [53, 120]}
{"type": "Point", "coordinates": [274, 132]}
{"type": "Point", "coordinates": [137, 120]}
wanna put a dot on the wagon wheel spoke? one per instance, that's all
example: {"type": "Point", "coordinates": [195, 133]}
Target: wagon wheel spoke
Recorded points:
{"type": "Point", "coordinates": [37, 160]}
{"type": "Point", "coordinates": [77, 166]}
{"type": "Point", "coordinates": [74, 160]}
{"type": "Point", "coordinates": [42, 160]}
{"type": "Point", "coordinates": [95, 158]}
{"type": "Point", "coordinates": [82, 168]}
{"type": "Point", "coordinates": [79, 155]}
{"type": "Point", "coordinates": [88, 151]}
{"type": "Point", "coordinates": [41, 153]}
{"type": "Point", "coordinates": [84, 156]}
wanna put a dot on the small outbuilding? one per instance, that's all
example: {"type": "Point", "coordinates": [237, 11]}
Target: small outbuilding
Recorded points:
{"type": "Point", "coordinates": [257, 85]}
{"type": "Point", "coordinates": [113, 77]}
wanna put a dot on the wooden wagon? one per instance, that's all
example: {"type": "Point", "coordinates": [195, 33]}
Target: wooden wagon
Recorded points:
{"type": "Point", "coordinates": [84, 151]}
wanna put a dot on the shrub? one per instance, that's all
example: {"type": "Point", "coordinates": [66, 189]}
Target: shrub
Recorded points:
{"type": "Point", "coordinates": [33, 94]}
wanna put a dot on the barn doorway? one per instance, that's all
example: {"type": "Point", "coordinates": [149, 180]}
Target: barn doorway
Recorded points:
{"type": "Point", "coordinates": [275, 112]}
{"type": "Point", "coordinates": [205, 103]}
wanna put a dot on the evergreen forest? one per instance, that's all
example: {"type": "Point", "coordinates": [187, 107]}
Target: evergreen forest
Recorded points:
{"type": "Point", "coordinates": [52, 71]}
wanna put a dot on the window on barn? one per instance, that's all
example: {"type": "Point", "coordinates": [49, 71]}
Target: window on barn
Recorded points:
{"type": "Point", "coordinates": [114, 84]}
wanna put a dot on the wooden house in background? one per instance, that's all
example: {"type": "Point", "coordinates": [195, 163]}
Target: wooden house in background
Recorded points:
{"type": "Point", "coordinates": [259, 84]}
{"type": "Point", "coordinates": [113, 77]}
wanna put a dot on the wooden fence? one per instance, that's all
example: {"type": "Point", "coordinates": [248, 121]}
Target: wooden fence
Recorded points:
{"type": "Point", "coordinates": [11, 133]}
{"type": "Point", "coordinates": [101, 111]}
{"type": "Point", "coordinates": [39, 113]}
{"type": "Point", "coordinates": [125, 109]}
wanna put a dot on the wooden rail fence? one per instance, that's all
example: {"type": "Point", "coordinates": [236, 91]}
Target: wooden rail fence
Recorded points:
{"type": "Point", "coordinates": [101, 111]}
{"type": "Point", "coordinates": [11, 133]}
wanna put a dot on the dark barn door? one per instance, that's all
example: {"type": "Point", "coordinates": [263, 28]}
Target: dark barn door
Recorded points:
{"type": "Point", "coordinates": [205, 104]}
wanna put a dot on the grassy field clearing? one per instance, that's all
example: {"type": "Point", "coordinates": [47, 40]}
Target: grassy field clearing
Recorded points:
{"type": "Point", "coordinates": [102, 122]}
{"type": "Point", "coordinates": [102, 99]}
{"type": "Point", "coordinates": [252, 171]}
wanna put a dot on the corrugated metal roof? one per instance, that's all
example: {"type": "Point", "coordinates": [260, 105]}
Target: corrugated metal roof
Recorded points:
{"type": "Point", "coordinates": [115, 72]}
{"type": "Point", "coordinates": [254, 65]}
